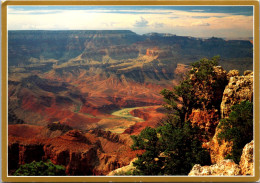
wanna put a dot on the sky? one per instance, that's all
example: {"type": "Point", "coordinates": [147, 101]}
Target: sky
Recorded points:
{"type": "Point", "coordinates": [196, 21]}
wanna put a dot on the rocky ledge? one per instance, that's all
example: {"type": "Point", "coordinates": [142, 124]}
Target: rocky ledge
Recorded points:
{"type": "Point", "coordinates": [228, 167]}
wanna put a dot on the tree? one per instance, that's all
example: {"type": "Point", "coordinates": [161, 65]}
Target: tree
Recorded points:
{"type": "Point", "coordinates": [238, 128]}
{"type": "Point", "coordinates": [200, 80]}
{"type": "Point", "coordinates": [169, 150]}
{"type": "Point", "coordinates": [40, 169]}
{"type": "Point", "coordinates": [175, 146]}
{"type": "Point", "coordinates": [148, 163]}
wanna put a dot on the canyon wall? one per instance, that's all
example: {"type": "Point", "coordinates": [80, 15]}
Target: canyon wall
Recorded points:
{"type": "Point", "coordinates": [94, 153]}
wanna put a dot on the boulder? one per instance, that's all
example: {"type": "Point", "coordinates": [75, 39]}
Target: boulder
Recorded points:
{"type": "Point", "coordinates": [223, 168]}
{"type": "Point", "coordinates": [247, 159]}
{"type": "Point", "coordinates": [232, 73]}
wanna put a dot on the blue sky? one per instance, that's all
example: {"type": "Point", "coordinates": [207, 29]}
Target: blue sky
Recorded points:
{"type": "Point", "coordinates": [197, 21]}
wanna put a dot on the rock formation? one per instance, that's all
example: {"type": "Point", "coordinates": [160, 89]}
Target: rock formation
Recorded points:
{"type": "Point", "coordinates": [206, 120]}
{"type": "Point", "coordinates": [223, 168]}
{"type": "Point", "coordinates": [219, 149]}
{"type": "Point", "coordinates": [123, 170]}
{"type": "Point", "coordinates": [247, 159]}
{"type": "Point", "coordinates": [94, 153]}
{"type": "Point", "coordinates": [152, 51]}
{"type": "Point", "coordinates": [84, 75]}
{"type": "Point", "coordinates": [239, 88]}
{"type": "Point", "coordinates": [227, 167]}
{"type": "Point", "coordinates": [181, 71]}
{"type": "Point", "coordinates": [232, 73]}
{"type": "Point", "coordinates": [206, 117]}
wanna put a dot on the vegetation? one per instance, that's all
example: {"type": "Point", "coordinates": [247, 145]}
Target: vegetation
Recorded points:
{"type": "Point", "coordinates": [238, 128]}
{"type": "Point", "coordinates": [201, 80]}
{"type": "Point", "coordinates": [169, 150]}
{"type": "Point", "coordinates": [175, 146]}
{"type": "Point", "coordinates": [40, 169]}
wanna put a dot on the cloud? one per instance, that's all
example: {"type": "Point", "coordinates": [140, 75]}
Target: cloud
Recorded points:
{"type": "Point", "coordinates": [159, 25]}
{"type": "Point", "coordinates": [179, 22]}
{"type": "Point", "coordinates": [174, 17]}
{"type": "Point", "coordinates": [141, 23]}
{"type": "Point", "coordinates": [198, 10]}
{"type": "Point", "coordinates": [200, 23]}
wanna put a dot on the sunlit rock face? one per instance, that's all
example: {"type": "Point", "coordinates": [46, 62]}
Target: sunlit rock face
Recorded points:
{"type": "Point", "coordinates": [239, 88]}
{"type": "Point", "coordinates": [227, 167]}
{"type": "Point", "coordinates": [247, 159]}
{"type": "Point", "coordinates": [207, 116]}
{"type": "Point", "coordinates": [223, 168]}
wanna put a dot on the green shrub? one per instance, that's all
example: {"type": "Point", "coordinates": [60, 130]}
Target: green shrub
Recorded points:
{"type": "Point", "coordinates": [40, 169]}
{"type": "Point", "coordinates": [169, 150]}
{"type": "Point", "coordinates": [238, 128]}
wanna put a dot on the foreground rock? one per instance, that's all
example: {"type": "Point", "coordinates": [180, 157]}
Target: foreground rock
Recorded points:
{"type": "Point", "coordinates": [227, 167]}
{"type": "Point", "coordinates": [124, 170]}
{"type": "Point", "coordinates": [247, 159]}
{"type": "Point", "coordinates": [239, 88]}
{"type": "Point", "coordinates": [219, 149]}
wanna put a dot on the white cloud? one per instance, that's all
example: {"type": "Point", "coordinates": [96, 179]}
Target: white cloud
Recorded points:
{"type": "Point", "coordinates": [196, 23]}
{"type": "Point", "coordinates": [141, 23]}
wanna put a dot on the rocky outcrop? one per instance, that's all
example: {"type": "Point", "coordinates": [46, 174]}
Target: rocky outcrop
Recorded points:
{"type": "Point", "coordinates": [139, 113]}
{"type": "Point", "coordinates": [223, 168]}
{"type": "Point", "coordinates": [75, 135]}
{"type": "Point", "coordinates": [152, 51]}
{"type": "Point", "coordinates": [181, 71]}
{"type": "Point", "coordinates": [206, 120]}
{"type": "Point", "coordinates": [239, 88]}
{"type": "Point", "coordinates": [94, 153]}
{"type": "Point", "coordinates": [107, 135]}
{"type": "Point", "coordinates": [227, 167]}
{"type": "Point", "coordinates": [158, 53]}
{"type": "Point", "coordinates": [124, 170]}
{"type": "Point", "coordinates": [219, 149]}
{"type": "Point", "coordinates": [151, 115]}
{"type": "Point", "coordinates": [207, 115]}
{"type": "Point", "coordinates": [247, 159]}
{"type": "Point", "coordinates": [232, 73]}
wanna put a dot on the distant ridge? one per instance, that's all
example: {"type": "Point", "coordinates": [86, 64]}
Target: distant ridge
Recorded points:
{"type": "Point", "coordinates": [118, 45]}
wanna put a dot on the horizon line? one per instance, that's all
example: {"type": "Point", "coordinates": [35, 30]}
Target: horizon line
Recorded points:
{"type": "Point", "coordinates": [206, 37]}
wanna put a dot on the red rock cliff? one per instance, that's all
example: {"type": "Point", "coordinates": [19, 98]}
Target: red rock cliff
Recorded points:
{"type": "Point", "coordinates": [94, 153]}
{"type": "Point", "coordinates": [205, 117]}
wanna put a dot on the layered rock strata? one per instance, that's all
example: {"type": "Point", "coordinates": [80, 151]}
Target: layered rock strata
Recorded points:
{"type": "Point", "coordinates": [94, 153]}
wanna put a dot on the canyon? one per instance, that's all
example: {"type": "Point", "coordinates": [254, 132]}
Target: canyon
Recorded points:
{"type": "Point", "coordinates": [76, 97]}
